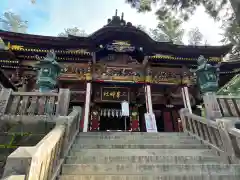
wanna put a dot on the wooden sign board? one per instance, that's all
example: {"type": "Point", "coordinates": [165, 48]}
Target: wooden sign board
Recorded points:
{"type": "Point", "coordinates": [114, 94]}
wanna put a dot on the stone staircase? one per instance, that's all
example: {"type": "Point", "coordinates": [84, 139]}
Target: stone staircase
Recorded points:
{"type": "Point", "coordinates": [145, 156]}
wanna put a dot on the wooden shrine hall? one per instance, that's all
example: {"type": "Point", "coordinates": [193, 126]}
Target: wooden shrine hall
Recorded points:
{"type": "Point", "coordinates": [117, 63]}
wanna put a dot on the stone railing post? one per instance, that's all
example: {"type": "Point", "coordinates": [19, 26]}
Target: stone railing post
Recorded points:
{"type": "Point", "coordinates": [224, 127]}
{"type": "Point", "coordinates": [183, 120]}
{"type": "Point", "coordinates": [63, 102]}
{"type": "Point", "coordinates": [4, 99]}
{"type": "Point", "coordinates": [18, 162]}
{"type": "Point", "coordinates": [220, 135]}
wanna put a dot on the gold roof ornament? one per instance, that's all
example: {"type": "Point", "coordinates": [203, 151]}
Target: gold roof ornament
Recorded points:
{"type": "Point", "coordinates": [3, 45]}
{"type": "Point", "coordinates": [15, 47]}
{"type": "Point", "coordinates": [120, 46]}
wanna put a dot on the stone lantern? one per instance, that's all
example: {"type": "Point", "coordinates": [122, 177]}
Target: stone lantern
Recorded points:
{"type": "Point", "coordinates": [207, 76]}
{"type": "Point", "coordinates": [48, 72]}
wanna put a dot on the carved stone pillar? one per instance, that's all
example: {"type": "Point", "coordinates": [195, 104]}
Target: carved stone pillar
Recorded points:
{"type": "Point", "coordinates": [87, 107]}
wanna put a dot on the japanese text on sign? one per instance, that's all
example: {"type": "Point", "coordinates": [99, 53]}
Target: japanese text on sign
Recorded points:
{"type": "Point", "coordinates": [116, 94]}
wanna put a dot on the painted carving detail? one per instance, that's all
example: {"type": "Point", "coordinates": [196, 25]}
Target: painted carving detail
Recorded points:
{"type": "Point", "coordinates": [120, 46]}
{"type": "Point", "coordinates": [76, 72]}
{"type": "Point", "coordinates": [170, 76]}
{"type": "Point", "coordinates": [118, 74]}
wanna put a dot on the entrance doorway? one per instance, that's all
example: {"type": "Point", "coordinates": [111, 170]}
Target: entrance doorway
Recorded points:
{"type": "Point", "coordinates": [159, 120]}
{"type": "Point", "coordinates": [166, 118]}
{"type": "Point", "coordinates": [111, 118]}
{"type": "Point", "coordinates": [113, 123]}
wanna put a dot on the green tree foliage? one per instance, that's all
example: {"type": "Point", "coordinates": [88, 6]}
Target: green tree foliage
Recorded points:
{"type": "Point", "coordinates": [236, 7]}
{"type": "Point", "coordinates": [13, 22]}
{"type": "Point", "coordinates": [73, 31]}
{"type": "Point", "coordinates": [232, 35]}
{"type": "Point", "coordinates": [169, 29]}
{"type": "Point", "coordinates": [184, 8]}
{"type": "Point", "coordinates": [195, 37]}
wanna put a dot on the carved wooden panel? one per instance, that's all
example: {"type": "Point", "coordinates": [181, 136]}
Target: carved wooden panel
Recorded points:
{"type": "Point", "coordinates": [118, 59]}
{"type": "Point", "coordinates": [77, 96]}
{"type": "Point", "coordinates": [74, 71]}
{"type": "Point", "coordinates": [158, 99]}
{"type": "Point", "coordinates": [161, 75]}
{"type": "Point", "coordinates": [118, 73]}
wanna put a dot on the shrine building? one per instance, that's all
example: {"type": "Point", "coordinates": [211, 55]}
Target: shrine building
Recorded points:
{"type": "Point", "coordinates": [119, 62]}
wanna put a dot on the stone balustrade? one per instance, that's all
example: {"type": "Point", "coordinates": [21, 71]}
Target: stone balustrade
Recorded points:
{"type": "Point", "coordinates": [229, 105]}
{"type": "Point", "coordinates": [221, 135]}
{"type": "Point", "coordinates": [30, 107]}
{"type": "Point", "coordinates": [44, 160]}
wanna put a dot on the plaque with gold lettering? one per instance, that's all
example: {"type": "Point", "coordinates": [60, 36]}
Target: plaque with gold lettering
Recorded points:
{"type": "Point", "coordinates": [114, 94]}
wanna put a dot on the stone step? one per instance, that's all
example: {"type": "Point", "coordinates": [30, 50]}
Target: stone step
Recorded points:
{"type": "Point", "coordinates": [137, 141]}
{"type": "Point", "coordinates": [196, 176]}
{"type": "Point", "coordinates": [140, 152]}
{"type": "Point", "coordinates": [148, 169]}
{"type": "Point", "coordinates": [138, 146]}
{"type": "Point", "coordinates": [142, 159]}
{"type": "Point", "coordinates": [132, 135]}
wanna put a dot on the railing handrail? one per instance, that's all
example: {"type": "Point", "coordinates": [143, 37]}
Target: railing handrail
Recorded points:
{"type": "Point", "coordinates": [51, 144]}
{"type": "Point", "coordinates": [199, 118]}
{"type": "Point", "coordinates": [35, 93]}
{"type": "Point", "coordinates": [48, 155]}
{"type": "Point", "coordinates": [221, 135]}
{"type": "Point", "coordinates": [34, 103]}
{"type": "Point", "coordinates": [42, 150]}
{"type": "Point", "coordinates": [227, 97]}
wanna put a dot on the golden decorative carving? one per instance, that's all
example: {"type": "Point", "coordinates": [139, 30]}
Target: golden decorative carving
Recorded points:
{"type": "Point", "coordinates": [118, 74]}
{"type": "Point", "coordinates": [120, 46]}
{"type": "Point", "coordinates": [15, 47]}
{"type": "Point", "coordinates": [76, 72]}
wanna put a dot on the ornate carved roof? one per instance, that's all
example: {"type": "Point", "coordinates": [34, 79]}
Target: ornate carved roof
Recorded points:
{"type": "Point", "coordinates": [115, 29]}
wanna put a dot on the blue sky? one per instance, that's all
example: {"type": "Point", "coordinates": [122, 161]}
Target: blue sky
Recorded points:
{"type": "Point", "coordinates": [50, 17]}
